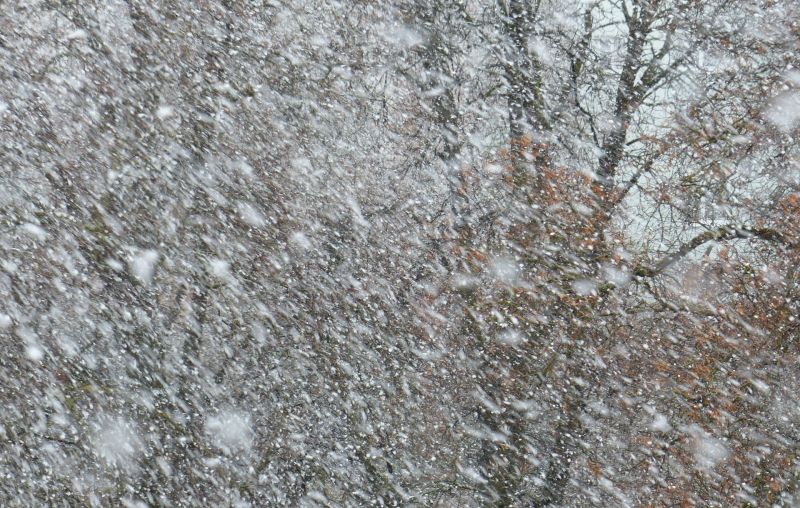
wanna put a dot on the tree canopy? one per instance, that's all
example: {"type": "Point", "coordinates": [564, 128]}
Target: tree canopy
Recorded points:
{"type": "Point", "coordinates": [400, 253]}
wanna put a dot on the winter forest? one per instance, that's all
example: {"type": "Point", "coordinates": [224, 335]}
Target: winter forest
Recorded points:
{"type": "Point", "coordinates": [447, 253]}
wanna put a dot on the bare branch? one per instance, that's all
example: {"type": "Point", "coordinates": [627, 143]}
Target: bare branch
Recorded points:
{"type": "Point", "coordinates": [728, 232]}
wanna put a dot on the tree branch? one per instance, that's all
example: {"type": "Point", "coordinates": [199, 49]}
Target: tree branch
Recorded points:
{"type": "Point", "coordinates": [728, 232]}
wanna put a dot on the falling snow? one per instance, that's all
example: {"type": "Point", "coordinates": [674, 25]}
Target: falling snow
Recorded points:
{"type": "Point", "coordinates": [400, 253]}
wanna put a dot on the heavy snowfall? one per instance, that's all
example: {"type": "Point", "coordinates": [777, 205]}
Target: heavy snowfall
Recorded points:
{"type": "Point", "coordinates": [446, 253]}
